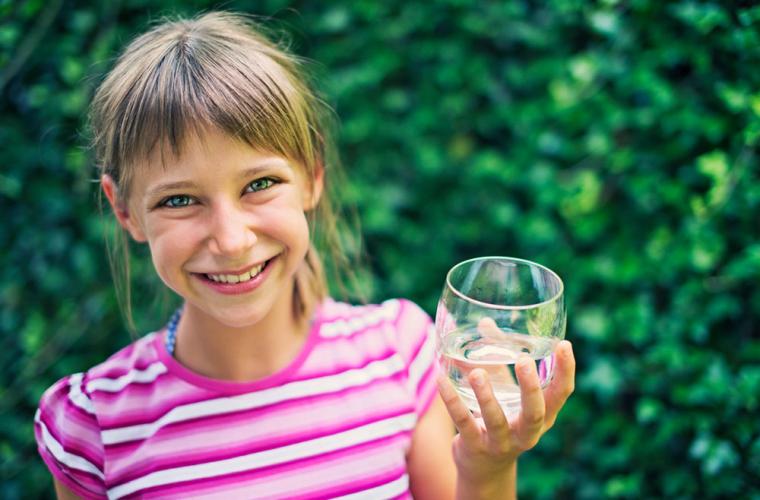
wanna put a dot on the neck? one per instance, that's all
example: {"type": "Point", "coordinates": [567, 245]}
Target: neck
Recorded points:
{"type": "Point", "coordinates": [241, 354]}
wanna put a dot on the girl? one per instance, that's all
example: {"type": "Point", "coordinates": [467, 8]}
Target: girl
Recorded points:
{"type": "Point", "coordinates": [212, 151]}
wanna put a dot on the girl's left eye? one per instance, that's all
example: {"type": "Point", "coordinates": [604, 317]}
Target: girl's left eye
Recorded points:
{"type": "Point", "coordinates": [259, 185]}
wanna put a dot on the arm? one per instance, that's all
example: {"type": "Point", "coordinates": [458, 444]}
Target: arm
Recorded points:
{"type": "Point", "coordinates": [485, 455]}
{"type": "Point", "coordinates": [63, 492]}
{"type": "Point", "coordinates": [432, 473]}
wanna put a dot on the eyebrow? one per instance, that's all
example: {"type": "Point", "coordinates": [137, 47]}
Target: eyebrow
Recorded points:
{"type": "Point", "coordinates": [249, 172]}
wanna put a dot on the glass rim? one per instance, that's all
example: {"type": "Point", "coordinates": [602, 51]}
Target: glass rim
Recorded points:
{"type": "Point", "coordinates": [464, 296]}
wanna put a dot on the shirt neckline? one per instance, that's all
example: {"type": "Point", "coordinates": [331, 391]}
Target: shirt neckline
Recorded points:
{"type": "Point", "coordinates": [233, 387]}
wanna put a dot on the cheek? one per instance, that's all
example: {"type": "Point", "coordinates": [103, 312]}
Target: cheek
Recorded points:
{"type": "Point", "coordinates": [283, 216]}
{"type": "Point", "coordinates": [303, 231]}
{"type": "Point", "coordinates": [173, 232]}
{"type": "Point", "coordinates": [294, 233]}
{"type": "Point", "coordinates": [171, 242]}
{"type": "Point", "coordinates": [165, 259]}
{"type": "Point", "coordinates": [289, 226]}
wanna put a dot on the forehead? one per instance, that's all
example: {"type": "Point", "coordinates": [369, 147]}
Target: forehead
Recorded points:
{"type": "Point", "coordinates": [205, 159]}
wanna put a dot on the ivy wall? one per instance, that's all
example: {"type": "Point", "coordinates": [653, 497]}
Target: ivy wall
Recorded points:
{"type": "Point", "coordinates": [614, 141]}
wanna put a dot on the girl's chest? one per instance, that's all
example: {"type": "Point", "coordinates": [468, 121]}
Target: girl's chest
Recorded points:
{"type": "Point", "coordinates": [322, 436]}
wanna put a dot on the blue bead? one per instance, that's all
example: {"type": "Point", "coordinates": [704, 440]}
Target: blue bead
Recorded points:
{"type": "Point", "coordinates": [171, 331]}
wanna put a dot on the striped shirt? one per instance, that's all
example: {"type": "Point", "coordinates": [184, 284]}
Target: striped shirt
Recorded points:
{"type": "Point", "coordinates": [335, 423]}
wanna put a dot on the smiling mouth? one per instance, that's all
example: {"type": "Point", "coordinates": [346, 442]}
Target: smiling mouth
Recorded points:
{"type": "Point", "coordinates": [238, 278]}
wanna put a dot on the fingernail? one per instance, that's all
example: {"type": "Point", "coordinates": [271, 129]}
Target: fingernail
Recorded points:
{"type": "Point", "coordinates": [523, 363]}
{"type": "Point", "coordinates": [477, 379]}
{"type": "Point", "coordinates": [568, 344]}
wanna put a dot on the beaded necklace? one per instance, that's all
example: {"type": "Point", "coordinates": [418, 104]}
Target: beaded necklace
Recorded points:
{"type": "Point", "coordinates": [171, 331]}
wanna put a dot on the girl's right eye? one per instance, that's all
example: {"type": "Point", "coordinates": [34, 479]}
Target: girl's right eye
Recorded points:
{"type": "Point", "coordinates": [176, 201]}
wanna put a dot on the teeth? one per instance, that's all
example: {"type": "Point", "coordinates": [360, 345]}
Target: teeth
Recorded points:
{"type": "Point", "coordinates": [236, 278]}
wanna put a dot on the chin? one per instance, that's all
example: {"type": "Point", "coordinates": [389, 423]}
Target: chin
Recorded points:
{"type": "Point", "coordinates": [239, 322]}
{"type": "Point", "coordinates": [246, 316]}
{"type": "Point", "coordinates": [232, 320]}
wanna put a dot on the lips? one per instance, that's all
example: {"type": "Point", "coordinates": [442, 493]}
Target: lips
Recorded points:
{"type": "Point", "coordinates": [237, 281]}
{"type": "Point", "coordinates": [237, 277]}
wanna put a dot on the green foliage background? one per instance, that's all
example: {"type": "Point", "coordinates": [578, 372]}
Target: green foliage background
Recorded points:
{"type": "Point", "coordinates": [614, 141]}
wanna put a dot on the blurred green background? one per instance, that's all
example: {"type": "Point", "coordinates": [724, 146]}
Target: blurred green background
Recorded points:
{"type": "Point", "coordinates": [614, 141]}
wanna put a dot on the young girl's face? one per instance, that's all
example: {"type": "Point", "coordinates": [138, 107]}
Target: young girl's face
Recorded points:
{"type": "Point", "coordinates": [225, 224]}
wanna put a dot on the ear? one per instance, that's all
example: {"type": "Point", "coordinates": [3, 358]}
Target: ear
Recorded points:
{"type": "Point", "coordinates": [312, 196]}
{"type": "Point", "coordinates": [120, 209]}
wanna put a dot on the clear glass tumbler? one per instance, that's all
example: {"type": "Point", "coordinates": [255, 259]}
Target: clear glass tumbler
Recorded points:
{"type": "Point", "coordinates": [492, 311]}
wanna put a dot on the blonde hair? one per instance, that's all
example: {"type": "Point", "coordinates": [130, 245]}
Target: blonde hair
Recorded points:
{"type": "Point", "coordinates": [216, 70]}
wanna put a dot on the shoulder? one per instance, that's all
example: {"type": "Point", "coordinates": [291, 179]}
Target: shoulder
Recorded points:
{"type": "Point", "coordinates": [391, 310]}
{"type": "Point", "coordinates": [138, 355]}
{"type": "Point", "coordinates": [75, 391]}
{"type": "Point", "coordinates": [397, 331]}
{"type": "Point", "coordinates": [396, 315]}
{"type": "Point", "coordinates": [411, 326]}
{"type": "Point", "coordinates": [399, 324]}
{"type": "Point", "coordinates": [68, 426]}
{"type": "Point", "coordinates": [92, 390]}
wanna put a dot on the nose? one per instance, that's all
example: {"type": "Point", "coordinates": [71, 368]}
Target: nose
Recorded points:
{"type": "Point", "coordinates": [231, 234]}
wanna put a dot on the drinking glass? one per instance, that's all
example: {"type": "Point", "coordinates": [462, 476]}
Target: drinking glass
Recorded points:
{"type": "Point", "coordinates": [492, 311]}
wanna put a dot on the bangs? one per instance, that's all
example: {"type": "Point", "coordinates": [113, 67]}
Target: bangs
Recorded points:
{"type": "Point", "coordinates": [187, 76]}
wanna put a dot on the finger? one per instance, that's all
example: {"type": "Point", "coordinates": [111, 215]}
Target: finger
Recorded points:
{"type": "Point", "coordinates": [530, 423]}
{"type": "Point", "coordinates": [461, 416]}
{"type": "Point", "coordinates": [563, 382]}
{"type": "Point", "coordinates": [488, 328]}
{"type": "Point", "coordinates": [490, 409]}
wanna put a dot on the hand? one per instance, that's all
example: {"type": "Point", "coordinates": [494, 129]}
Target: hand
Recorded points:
{"type": "Point", "coordinates": [485, 452]}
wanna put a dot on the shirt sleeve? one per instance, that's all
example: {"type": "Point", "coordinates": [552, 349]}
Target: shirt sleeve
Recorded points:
{"type": "Point", "coordinates": [68, 437]}
{"type": "Point", "coordinates": [415, 337]}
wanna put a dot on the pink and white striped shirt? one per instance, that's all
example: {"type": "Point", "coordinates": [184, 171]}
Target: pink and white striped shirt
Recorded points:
{"type": "Point", "coordinates": [335, 423]}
